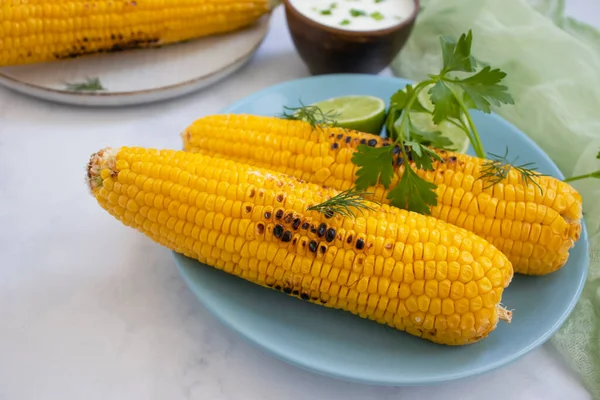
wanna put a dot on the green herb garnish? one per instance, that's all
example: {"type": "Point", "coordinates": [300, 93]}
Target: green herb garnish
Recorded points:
{"type": "Point", "coordinates": [595, 174]}
{"type": "Point", "coordinates": [379, 1]}
{"type": "Point", "coordinates": [452, 98]}
{"type": "Point", "coordinates": [345, 22]}
{"type": "Point", "coordinates": [325, 12]}
{"type": "Point", "coordinates": [357, 13]}
{"type": "Point", "coordinates": [497, 168]}
{"type": "Point", "coordinates": [316, 117]}
{"type": "Point", "coordinates": [344, 204]}
{"type": "Point", "coordinates": [90, 85]}
{"type": "Point", "coordinates": [377, 16]}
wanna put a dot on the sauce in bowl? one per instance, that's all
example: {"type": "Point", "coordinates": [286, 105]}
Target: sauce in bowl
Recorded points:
{"type": "Point", "coordinates": [356, 15]}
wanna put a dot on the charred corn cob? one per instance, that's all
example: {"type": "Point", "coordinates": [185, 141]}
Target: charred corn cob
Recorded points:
{"type": "Point", "coordinates": [534, 228]}
{"type": "Point", "coordinates": [45, 30]}
{"type": "Point", "coordinates": [410, 271]}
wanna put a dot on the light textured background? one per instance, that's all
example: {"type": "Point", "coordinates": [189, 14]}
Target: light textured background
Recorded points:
{"type": "Point", "coordinates": [91, 310]}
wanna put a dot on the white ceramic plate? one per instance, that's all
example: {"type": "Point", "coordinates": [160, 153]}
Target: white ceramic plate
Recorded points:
{"type": "Point", "coordinates": [139, 76]}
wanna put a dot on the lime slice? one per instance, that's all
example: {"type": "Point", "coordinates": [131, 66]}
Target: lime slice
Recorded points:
{"type": "Point", "coordinates": [424, 99]}
{"type": "Point", "coordinates": [361, 113]}
{"type": "Point", "coordinates": [457, 136]}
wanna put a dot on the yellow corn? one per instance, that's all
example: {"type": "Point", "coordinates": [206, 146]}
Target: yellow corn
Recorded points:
{"type": "Point", "coordinates": [410, 271]}
{"type": "Point", "coordinates": [45, 30]}
{"type": "Point", "coordinates": [534, 228]}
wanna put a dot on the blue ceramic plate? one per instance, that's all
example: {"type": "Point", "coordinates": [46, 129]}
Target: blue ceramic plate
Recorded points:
{"type": "Point", "coordinates": [338, 344]}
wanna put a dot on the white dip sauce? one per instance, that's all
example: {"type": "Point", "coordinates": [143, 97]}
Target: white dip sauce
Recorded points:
{"type": "Point", "coordinates": [356, 15]}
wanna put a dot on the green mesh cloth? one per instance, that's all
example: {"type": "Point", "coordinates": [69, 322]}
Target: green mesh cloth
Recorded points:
{"type": "Point", "coordinates": [553, 66]}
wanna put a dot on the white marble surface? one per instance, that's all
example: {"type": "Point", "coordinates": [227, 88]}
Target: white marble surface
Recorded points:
{"type": "Point", "coordinates": [92, 310]}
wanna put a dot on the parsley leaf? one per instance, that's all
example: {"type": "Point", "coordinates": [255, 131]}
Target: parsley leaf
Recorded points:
{"type": "Point", "coordinates": [445, 104]}
{"type": "Point", "coordinates": [483, 89]}
{"type": "Point", "coordinates": [413, 193]}
{"type": "Point", "coordinates": [375, 166]}
{"type": "Point", "coordinates": [423, 156]}
{"type": "Point", "coordinates": [429, 138]}
{"type": "Point", "coordinates": [456, 55]}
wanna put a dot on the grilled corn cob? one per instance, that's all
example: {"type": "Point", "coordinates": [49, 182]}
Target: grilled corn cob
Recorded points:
{"type": "Point", "coordinates": [410, 271]}
{"type": "Point", "coordinates": [534, 228]}
{"type": "Point", "coordinates": [45, 30]}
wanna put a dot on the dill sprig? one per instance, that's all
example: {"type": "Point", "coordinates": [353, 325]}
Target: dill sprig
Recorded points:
{"type": "Point", "coordinates": [90, 85]}
{"type": "Point", "coordinates": [316, 117]}
{"type": "Point", "coordinates": [344, 204]}
{"type": "Point", "coordinates": [497, 168]}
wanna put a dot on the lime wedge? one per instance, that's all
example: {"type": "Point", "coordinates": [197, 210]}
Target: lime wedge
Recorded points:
{"type": "Point", "coordinates": [424, 99]}
{"type": "Point", "coordinates": [457, 136]}
{"type": "Point", "coordinates": [361, 113]}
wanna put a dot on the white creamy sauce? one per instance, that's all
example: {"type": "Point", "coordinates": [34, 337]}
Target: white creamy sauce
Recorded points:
{"type": "Point", "coordinates": [356, 15]}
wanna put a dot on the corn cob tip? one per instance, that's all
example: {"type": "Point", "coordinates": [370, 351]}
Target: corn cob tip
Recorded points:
{"type": "Point", "coordinates": [504, 314]}
{"type": "Point", "coordinates": [105, 159]}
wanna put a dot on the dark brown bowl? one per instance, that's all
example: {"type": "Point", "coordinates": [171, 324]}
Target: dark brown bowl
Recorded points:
{"type": "Point", "coordinates": [327, 50]}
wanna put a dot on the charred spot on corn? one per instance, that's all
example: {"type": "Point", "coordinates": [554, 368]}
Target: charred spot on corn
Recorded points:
{"type": "Point", "coordinates": [312, 246]}
{"type": "Point", "coordinates": [279, 214]}
{"type": "Point", "coordinates": [334, 146]}
{"type": "Point", "coordinates": [360, 244]}
{"type": "Point", "coordinates": [304, 296]}
{"type": "Point", "coordinates": [323, 249]}
{"type": "Point", "coordinates": [330, 235]}
{"type": "Point", "coordinates": [288, 218]}
{"type": "Point", "coordinates": [296, 223]}
{"type": "Point", "coordinates": [278, 231]}
{"type": "Point", "coordinates": [260, 228]}
{"type": "Point", "coordinates": [267, 215]}
{"type": "Point", "coordinates": [305, 225]}
{"type": "Point", "coordinates": [286, 237]}
{"type": "Point", "coordinates": [322, 229]}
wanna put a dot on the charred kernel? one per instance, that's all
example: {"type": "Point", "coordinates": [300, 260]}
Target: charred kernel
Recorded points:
{"type": "Point", "coordinates": [312, 246]}
{"type": "Point", "coordinates": [396, 150]}
{"type": "Point", "coordinates": [294, 241]}
{"type": "Point", "coordinates": [363, 141]}
{"type": "Point", "coordinates": [330, 235]}
{"type": "Point", "coordinates": [340, 135]}
{"type": "Point", "coordinates": [323, 301]}
{"type": "Point", "coordinates": [399, 161]}
{"type": "Point", "coordinates": [287, 236]}
{"type": "Point", "coordinates": [334, 146]}
{"type": "Point", "coordinates": [348, 139]}
{"type": "Point", "coordinates": [279, 214]}
{"type": "Point", "coordinates": [453, 159]}
{"type": "Point", "coordinates": [277, 287]}
{"type": "Point", "coordinates": [304, 296]}
{"type": "Point", "coordinates": [296, 223]}
{"type": "Point", "coordinates": [279, 198]}
{"type": "Point", "coordinates": [295, 292]}
{"type": "Point", "coordinates": [268, 215]}
{"type": "Point", "coordinates": [260, 228]}
{"type": "Point", "coordinates": [323, 249]}
{"type": "Point", "coordinates": [372, 142]}
{"type": "Point", "coordinates": [288, 218]}
{"type": "Point", "coordinates": [322, 230]}
{"type": "Point", "coordinates": [360, 244]}
{"type": "Point", "coordinates": [314, 298]}
{"type": "Point", "coordinates": [287, 290]}
{"type": "Point", "coordinates": [385, 145]}
{"type": "Point", "coordinates": [349, 240]}
{"type": "Point", "coordinates": [313, 229]}
{"type": "Point", "coordinates": [305, 225]}
{"type": "Point", "coordinates": [269, 284]}
{"type": "Point", "coordinates": [248, 209]}
{"type": "Point", "coordinates": [252, 193]}
{"type": "Point", "coordinates": [329, 213]}
{"type": "Point", "coordinates": [278, 231]}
